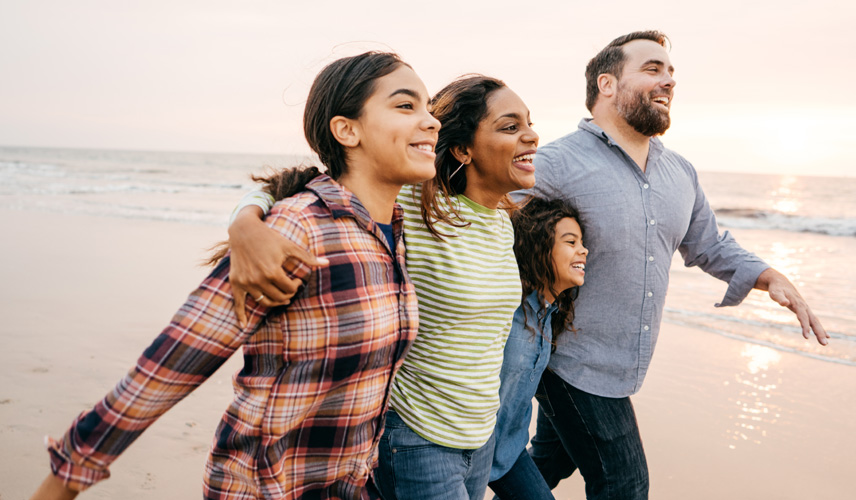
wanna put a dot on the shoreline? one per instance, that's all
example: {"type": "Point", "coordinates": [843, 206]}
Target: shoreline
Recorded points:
{"type": "Point", "coordinates": [84, 295]}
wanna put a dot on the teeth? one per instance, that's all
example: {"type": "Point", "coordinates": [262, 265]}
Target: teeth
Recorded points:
{"type": "Point", "coordinates": [579, 266]}
{"type": "Point", "coordinates": [528, 158]}
{"type": "Point", "coordinates": [662, 100]}
{"type": "Point", "coordinates": [425, 147]}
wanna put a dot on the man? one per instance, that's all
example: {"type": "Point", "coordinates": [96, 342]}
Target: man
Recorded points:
{"type": "Point", "coordinates": [639, 202]}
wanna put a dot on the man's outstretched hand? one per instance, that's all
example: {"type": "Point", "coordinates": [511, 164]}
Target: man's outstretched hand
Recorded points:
{"type": "Point", "coordinates": [783, 292]}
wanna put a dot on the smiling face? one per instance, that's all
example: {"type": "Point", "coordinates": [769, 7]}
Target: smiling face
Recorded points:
{"type": "Point", "coordinates": [644, 91]}
{"type": "Point", "coordinates": [569, 256]}
{"type": "Point", "coordinates": [395, 133]}
{"type": "Point", "coordinates": [503, 148]}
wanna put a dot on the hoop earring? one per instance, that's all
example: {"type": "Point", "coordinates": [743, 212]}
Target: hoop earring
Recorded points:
{"type": "Point", "coordinates": [456, 171]}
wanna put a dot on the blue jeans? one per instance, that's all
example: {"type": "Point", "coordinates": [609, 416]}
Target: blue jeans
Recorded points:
{"type": "Point", "coordinates": [598, 435]}
{"type": "Point", "coordinates": [522, 482]}
{"type": "Point", "coordinates": [411, 467]}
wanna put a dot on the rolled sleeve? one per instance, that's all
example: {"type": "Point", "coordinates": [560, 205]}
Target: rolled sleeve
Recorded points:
{"type": "Point", "coordinates": [742, 282]}
{"type": "Point", "coordinates": [71, 468]}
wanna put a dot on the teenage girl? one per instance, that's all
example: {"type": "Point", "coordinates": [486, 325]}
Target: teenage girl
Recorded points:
{"type": "Point", "coordinates": [310, 401]}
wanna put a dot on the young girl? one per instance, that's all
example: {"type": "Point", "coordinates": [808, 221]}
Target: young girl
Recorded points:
{"type": "Point", "coordinates": [310, 400]}
{"type": "Point", "coordinates": [438, 440]}
{"type": "Point", "coordinates": [548, 244]}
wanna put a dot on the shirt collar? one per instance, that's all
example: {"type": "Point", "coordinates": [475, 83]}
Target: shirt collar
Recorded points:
{"type": "Point", "coordinates": [655, 144]}
{"type": "Point", "coordinates": [343, 203]}
{"type": "Point", "coordinates": [589, 126]}
{"type": "Point", "coordinates": [534, 302]}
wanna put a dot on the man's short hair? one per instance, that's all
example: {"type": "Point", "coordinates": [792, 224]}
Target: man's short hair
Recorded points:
{"type": "Point", "coordinates": [611, 60]}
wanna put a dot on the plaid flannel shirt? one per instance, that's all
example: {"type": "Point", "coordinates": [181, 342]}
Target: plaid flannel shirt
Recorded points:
{"type": "Point", "coordinates": [310, 401]}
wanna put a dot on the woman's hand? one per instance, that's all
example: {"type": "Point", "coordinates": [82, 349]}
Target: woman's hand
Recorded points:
{"type": "Point", "coordinates": [257, 259]}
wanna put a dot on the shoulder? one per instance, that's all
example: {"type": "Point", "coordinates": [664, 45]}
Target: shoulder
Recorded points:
{"type": "Point", "coordinates": [560, 147]}
{"type": "Point", "coordinates": [300, 216]}
{"type": "Point", "coordinates": [676, 160]}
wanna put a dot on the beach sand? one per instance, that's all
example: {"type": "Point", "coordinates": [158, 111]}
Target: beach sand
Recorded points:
{"type": "Point", "coordinates": [82, 296]}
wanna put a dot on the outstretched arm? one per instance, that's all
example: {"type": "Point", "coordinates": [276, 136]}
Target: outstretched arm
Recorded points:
{"type": "Point", "coordinates": [258, 254]}
{"type": "Point", "coordinates": [783, 292]}
{"type": "Point", "coordinates": [202, 335]}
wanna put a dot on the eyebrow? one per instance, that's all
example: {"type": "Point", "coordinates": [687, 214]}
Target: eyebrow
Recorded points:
{"type": "Point", "coordinates": [658, 63]}
{"type": "Point", "coordinates": [575, 235]}
{"type": "Point", "coordinates": [516, 116]}
{"type": "Point", "coordinates": [412, 93]}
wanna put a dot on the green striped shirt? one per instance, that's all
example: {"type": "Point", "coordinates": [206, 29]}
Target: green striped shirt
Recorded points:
{"type": "Point", "coordinates": [468, 287]}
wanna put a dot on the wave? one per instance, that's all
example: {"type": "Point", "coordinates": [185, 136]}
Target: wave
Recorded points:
{"type": "Point", "coordinates": [783, 337]}
{"type": "Point", "coordinates": [750, 218]}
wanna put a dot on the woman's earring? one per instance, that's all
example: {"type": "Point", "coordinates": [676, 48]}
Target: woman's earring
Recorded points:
{"type": "Point", "coordinates": [456, 171]}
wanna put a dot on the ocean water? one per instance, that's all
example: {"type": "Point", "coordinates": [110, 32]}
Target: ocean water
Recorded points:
{"type": "Point", "coordinates": [804, 226]}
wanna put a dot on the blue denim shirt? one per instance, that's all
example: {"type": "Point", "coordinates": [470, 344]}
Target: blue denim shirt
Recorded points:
{"type": "Point", "coordinates": [527, 352]}
{"type": "Point", "coordinates": [634, 222]}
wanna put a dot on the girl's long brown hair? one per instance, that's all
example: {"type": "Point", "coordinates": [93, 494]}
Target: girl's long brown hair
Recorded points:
{"type": "Point", "coordinates": [534, 236]}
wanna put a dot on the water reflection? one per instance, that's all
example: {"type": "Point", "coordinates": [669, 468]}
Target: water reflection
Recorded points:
{"type": "Point", "coordinates": [784, 199]}
{"type": "Point", "coordinates": [756, 386]}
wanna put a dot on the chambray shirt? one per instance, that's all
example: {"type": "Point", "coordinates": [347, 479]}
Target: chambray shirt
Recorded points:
{"type": "Point", "coordinates": [525, 358]}
{"type": "Point", "coordinates": [634, 222]}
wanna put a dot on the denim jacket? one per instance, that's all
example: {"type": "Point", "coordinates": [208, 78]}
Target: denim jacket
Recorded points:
{"type": "Point", "coordinates": [526, 355]}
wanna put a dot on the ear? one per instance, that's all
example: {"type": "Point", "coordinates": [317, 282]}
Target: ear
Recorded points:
{"type": "Point", "coordinates": [346, 131]}
{"type": "Point", "coordinates": [461, 154]}
{"type": "Point", "coordinates": [607, 84]}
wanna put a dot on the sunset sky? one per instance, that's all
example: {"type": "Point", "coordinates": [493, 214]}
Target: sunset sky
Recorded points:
{"type": "Point", "coordinates": [762, 86]}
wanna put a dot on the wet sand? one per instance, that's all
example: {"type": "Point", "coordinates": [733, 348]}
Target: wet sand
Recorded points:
{"type": "Point", "coordinates": [83, 295]}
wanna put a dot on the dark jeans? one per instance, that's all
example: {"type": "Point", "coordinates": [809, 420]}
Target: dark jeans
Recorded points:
{"type": "Point", "coordinates": [522, 482]}
{"type": "Point", "coordinates": [598, 435]}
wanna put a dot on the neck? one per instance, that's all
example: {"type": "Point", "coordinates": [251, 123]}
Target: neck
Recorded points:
{"type": "Point", "coordinates": [548, 296]}
{"type": "Point", "coordinates": [635, 144]}
{"type": "Point", "coordinates": [378, 197]}
{"type": "Point", "coordinates": [482, 194]}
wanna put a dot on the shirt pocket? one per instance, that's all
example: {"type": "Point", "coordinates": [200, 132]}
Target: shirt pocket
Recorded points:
{"type": "Point", "coordinates": [605, 217]}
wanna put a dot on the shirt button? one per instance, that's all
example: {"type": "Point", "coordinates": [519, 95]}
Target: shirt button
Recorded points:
{"type": "Point", "coordinates": [653, 222]}
{"type": "Point", "coordinates": [645, 186]}
{"type": "Point", "coordinates": [646, 328]}
{"type": "Point", "coordinates": [650, 258]}
{"type": "Point", "coordinates": [650, 294]}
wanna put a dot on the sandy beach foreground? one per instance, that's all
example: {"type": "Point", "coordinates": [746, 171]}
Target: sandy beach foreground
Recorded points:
{"type": "Point", "coordinates": [83, 295]}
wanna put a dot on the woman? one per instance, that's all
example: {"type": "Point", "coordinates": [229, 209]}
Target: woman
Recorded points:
{"type": "Point", "coordinates": [548, 243]}
{"type": "Point", "coordinates": [438, 441]}
{"type": "Point", "coordinates": [310, 400]}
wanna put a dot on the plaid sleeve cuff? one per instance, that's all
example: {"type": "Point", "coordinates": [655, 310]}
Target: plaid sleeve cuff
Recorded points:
{"type": "Point", "coordinates": [742, 282]}
{"type": "Point", "coordinates": [74, 476]}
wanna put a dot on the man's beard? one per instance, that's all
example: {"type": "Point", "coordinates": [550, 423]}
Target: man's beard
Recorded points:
{"type": "Point", "coordinates": [641, 113]}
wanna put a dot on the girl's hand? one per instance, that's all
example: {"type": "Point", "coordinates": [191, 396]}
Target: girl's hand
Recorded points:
{"type": "Point", "coordinates": [53, 488]}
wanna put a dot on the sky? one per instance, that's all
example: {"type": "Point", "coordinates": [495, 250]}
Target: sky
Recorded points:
{"type": "Point", "coordinates": [762, 86]}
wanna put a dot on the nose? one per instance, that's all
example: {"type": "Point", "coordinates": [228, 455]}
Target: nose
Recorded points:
{"type": "Point", "coordinates": [530, 136]}
{"type": "Point", "coordinates": [429, 122]}
{"type": "Point", "coordinates": [584, 250]}
{"type": "Point", "coordinates": [669, 81]}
